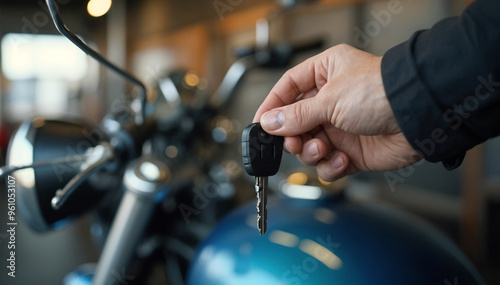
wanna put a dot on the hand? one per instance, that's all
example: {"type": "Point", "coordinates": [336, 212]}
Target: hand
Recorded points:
{"type": "Point", "coordinates": [334, 114]}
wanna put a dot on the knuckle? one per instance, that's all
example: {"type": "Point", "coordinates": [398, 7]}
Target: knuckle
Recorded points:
{"type": "Point", "coordinates": [289, 78]}
{"type": "Point", "coordinates": [346, 47]}
{"type": "Point", "coordinates": [298, 114]}
{"type": "Point", "coordinates": [342, 47]}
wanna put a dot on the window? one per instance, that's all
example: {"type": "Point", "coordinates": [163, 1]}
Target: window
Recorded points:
{"type": "Point", "coordinates": [45, 73]}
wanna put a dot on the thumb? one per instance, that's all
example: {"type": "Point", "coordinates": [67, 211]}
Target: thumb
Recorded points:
{"type": "Point", "coordinates": [295, 119]}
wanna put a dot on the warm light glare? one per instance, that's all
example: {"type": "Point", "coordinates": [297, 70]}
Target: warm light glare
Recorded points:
{"type": "Point", "coordinates": [172, 151]}
{"type": "Point", "coordinates": [38, 122]}
{"type": "Point", "coordinates": [191, 79]}
{"type": "Point", "coordinates": [325, 215]}
{"type": "Point", "coordinates": [326, 183]}
{"type": "Point", "coordinates": [321, 253]}
{"type": "Point", "coordinates": [283, 238]}
{"type": "Point", "coordinates": [97, 8]}
{"type": "Point", "coordinates": [297, 178]}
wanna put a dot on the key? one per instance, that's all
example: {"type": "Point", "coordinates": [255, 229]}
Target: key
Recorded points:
{"type": "Point", "coordinates": [261, 157]}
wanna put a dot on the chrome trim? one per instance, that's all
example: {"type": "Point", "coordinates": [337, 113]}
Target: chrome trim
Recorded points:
{"type": "Point", "coordinates": [98, 157]}
{"type": "Point", "coordinates": [142, 183]}
{"type": "Point", "coordinates": [230, 81]}
{"type": "Point", "coordinates": [20, 152]}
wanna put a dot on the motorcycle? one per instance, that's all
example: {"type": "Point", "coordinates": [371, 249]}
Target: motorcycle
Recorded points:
{"type": "Point", "coordinates": [154, 176]}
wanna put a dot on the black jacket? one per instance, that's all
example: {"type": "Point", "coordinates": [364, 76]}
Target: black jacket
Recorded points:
{"type": "Point", "coordinates": [443, 84]}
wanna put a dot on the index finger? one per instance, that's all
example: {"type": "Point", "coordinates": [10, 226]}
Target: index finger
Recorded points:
{"type": "Point", "coordinates": [294, 82]}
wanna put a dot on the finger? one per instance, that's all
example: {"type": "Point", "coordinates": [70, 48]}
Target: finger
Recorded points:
{"type": "Point", "coordinates": [294, 82]}
{"type": "Point", "coordinates": [293, 144]}
{"type": "Point", "coordinates": [333, 168]}
{"type": "Point", "coordinates": [323, 137]}
{"type": "Point", "coordinates": [297, 118]}
{"type": "Point", "coordinates": [313, 151]}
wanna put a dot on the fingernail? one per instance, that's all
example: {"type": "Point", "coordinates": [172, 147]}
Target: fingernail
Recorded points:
{"type": "Point", "coordinates": [312, 149]}
{"type": "Point", "coordinates": [285, 146]}
{"type": "Point", "coordinates": [338, 162]}
{"type": "Point", "coordinates": [272, 120]}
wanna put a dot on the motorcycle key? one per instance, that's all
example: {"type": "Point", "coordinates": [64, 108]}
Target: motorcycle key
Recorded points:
{"type": "Point", "coordinates": [261, 157]}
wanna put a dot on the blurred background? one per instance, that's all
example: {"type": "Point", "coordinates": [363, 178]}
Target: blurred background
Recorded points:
{"type": "Point", "coordinates": [42, 74]}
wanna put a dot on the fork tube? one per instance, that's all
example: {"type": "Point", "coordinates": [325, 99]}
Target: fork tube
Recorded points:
{"type": "Point", "coordinates": [143, 182]}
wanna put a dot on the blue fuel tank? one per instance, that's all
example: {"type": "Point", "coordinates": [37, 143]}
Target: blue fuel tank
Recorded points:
{"type": "Point", "coordinates": [329, 241]}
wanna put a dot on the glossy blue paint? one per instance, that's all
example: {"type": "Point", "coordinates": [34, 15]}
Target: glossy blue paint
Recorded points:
{"type": "Point", "coordinates": [328, 241]}
{"type": "Point", "coordinates": [82, 275]}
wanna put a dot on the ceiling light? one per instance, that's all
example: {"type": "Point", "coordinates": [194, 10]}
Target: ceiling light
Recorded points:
{"type": "Point", "coordinates": [97, 8]}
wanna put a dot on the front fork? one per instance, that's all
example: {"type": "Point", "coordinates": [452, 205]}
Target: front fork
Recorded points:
{"type": "Point", "coordinates": [145, 183]}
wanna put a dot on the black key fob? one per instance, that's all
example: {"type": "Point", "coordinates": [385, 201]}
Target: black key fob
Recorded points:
{"type": "Point", "coordinates": [261, 151]}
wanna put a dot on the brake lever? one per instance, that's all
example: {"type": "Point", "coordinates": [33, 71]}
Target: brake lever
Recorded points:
{"type": "Point", "coordinates": [62, 160]}
{"type": "Point", "coordinates": [97, 158]}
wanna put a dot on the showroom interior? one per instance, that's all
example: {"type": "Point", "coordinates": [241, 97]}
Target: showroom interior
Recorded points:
{"type": "Point", "coordinates": [188, 78]}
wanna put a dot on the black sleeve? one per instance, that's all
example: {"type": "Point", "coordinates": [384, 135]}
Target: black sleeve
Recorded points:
{"type": "Point", "coordinates": [443, 84]}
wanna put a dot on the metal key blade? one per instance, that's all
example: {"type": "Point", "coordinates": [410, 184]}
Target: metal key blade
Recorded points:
{"type": "Point", "coordinates": [261, 189]}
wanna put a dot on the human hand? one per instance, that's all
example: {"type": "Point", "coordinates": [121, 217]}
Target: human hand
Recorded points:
{"type": "Point", "coordinates": [334, 114]}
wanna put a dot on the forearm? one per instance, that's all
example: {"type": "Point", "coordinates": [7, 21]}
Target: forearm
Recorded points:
{"type": "Point", "coordinates": [443, 84]}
